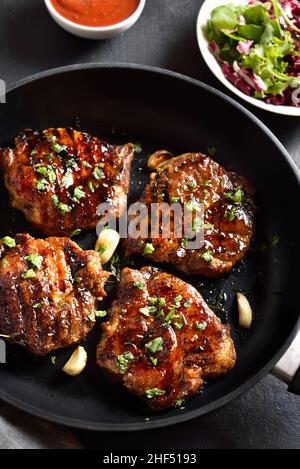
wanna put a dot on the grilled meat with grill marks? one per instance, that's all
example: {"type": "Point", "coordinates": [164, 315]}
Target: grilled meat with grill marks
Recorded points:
{"type": "Point", "coordinates": [58, 178]}
{"type": "Point", "coordinates": [48, 292]}
{"type": "Point", "coordinates": [161, 339]}
{"type": "Point", "coordinates": [194, 179]}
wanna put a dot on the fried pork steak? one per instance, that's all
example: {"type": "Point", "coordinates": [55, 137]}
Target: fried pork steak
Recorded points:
{"type": "Point", "coordinates": [58, 177]}
{"type": "Point", "coordinates": [48, 292]}
{"type": "Point", "coordinates": [162, 340]}
{"type": "Point", "coordinates": [193, 179]}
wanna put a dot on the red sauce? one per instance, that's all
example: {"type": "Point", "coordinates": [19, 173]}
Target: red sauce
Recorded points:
{"type": "Point", "coordinates": [96, 12]}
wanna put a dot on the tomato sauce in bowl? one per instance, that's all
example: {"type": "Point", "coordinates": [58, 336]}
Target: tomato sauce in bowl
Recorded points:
{"type": "Point", "coordinates": [96, 13]}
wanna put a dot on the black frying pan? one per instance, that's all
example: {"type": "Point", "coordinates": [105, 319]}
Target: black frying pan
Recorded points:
{"type": "Point", "coordinates": [160, 109]}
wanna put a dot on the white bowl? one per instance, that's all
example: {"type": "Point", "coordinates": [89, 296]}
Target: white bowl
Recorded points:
{"type": "Point", "coordinates": [95, 32]}
{"type": "Point", "coordinates": [214, 66]}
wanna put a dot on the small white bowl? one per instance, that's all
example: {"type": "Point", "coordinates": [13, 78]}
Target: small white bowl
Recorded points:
{"type": "Point", "coordinates": [95, 32]}
{"type": "Point", "coordinates": [204, 15]}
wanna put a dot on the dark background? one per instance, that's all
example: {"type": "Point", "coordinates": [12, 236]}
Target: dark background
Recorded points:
{"type": "Point", "coordinates": [267, 416]}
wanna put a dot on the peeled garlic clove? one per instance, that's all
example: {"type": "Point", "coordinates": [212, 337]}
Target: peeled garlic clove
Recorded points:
{"type": "Point", "coordinates": [245, 311]}
{"type": "Point", "coordinates": [76, 364]}
{"type": "Point", "coordinates": [158, 158]}
{"type": "Point", "coordinates": [106, 244]}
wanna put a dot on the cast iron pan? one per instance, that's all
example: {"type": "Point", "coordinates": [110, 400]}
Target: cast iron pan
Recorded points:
{"type": "Point", "coordinates": [161, 109]}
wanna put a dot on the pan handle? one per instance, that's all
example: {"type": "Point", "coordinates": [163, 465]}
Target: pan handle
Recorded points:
{"type": "Point", "coordinates": [288, 367]}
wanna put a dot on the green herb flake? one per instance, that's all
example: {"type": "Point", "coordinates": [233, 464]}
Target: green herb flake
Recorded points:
{"type": "Point", "coordinates": [178, 298]}
{"type": "Point", "coordinates": [149, 249]}
{"type": "Point", "coordinates": [87, 165]}
{"type": "Point", "coordinates": [139, 285]}
{"type": "Point", "coordinates": [138, 148]}
{"type": "Point", "coordinates": [201, 326]}
{"type": "Point", "coordinates": [75, 233]}
{"type": "Point", "coordinates": [187, 303]}
{"type": "Point", "coordinates": [236, 196]}
{"type": "Point", "coordinates": [98, 173]}
{"type": "Point", "coordinates": [67, 180]}
{"type": "Point", "coordinates": [275, 240]}
{"type": "Point", "coordinates": [8, 241]}
{"type": "Point", "coordinates": [231, 215]}
{"type": "Point", "coordinates": [192, 205]}
{"type": "Point", "coordinates": [91, 186]}
{"type": "Point", "coordinates": [153, 360]}
{"type": "Point", "coordinates": [53, 359]}
{"type": "Point", "coordinates": [155, 345]}
{"type": "Point", "coordinates": [211, 151]}
{"type": "Point", "coordinates": [197, 225]}
{"type": "Point", "coordinates": [92, 317]}
{"type": "Point", "coordinates": [29, 274]}
{"type": "Point", "coordinates": [37, 305]}
{"type": "Point", "coordinates": [179, 403]}
{"type": "Point", "coordinates": [78, 194]}
{"type": "Point", "coordinates": [123, 361]}
{"type": "Point", "coordinates": [101, 314]}
{"type": "Point", "coordinates": [207, 256]}
{"type": "Point", "coordinates": [173, 200]}
{"type": "Point", "coordinates": [57, 148]}
{"type": "Point", "coordinates": [154, 392]}
{"type": "Point", "coordinates": [35, 259]}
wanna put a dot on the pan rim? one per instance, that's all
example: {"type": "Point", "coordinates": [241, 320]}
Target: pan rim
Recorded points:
{"type": "Point", "coordinates": [189, 415]}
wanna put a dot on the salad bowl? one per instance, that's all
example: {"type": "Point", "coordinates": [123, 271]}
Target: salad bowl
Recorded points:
{"type": "Point", "coordinates": [214, 65]}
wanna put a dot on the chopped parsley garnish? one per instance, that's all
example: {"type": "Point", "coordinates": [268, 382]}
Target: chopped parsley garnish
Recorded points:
{"type": "Point", "coordinates": [154, 392]}
{"type": "Point", "coordinates": [192, 205]}
{"type": "Point", "coordinates": [8, 241]}
{"type": "Point", "coordinates": [197, 224]}
{"type": "Point", "coordinates": [178, 325]}
{"type": "Point", "coordinates": [183, 242]}
{"type": "Point", "coordinates": [57, 148]}
{"type": "Point", "coordinates": [139, 285]}
{"type": "Point", "coordinates": [275, 240]}
{"type": "Point", "coordinates": [67, 180]}
{"type": "Point", "coordinates": [47, 171]}
{"type": "Point", "coordinates": [33, 153]}
{"type": "Point", "coordinates": [63, 208]}
{"type": "Point", "coordinates": [148, 248]}
{"type": "Point", "coordinates": [101, 314]}
{"type": "Point", "coordinates": [145, 311]}
{"type": "Point", "coordinates": [155, 345]}
{"type": "Point", "coordinates": [91, 186]}
{"type": "Point", "coordinates": [41, 185]}
{"type": "Point", "coordinates": [53, 359]}
{"type": "Point", "coordinates": [207, 256]}
{"type": "Point", "coordinates": [37, 305]}
{"type": "Point", "coordinates": [29, 274]}
{"type": "Point", "coordinates": [75, 233]}
{"type": "Point", "coordinates": [137, 148]}
{"type": "Point", "coordinates": [211, 151]}
{"type": "Point", "coordinates": [206, 183]}
{"type": "Point", "coordinates": [153, 361]}
{"type": "Point", "coordinates": [231, 215]}
{"type": "Point", "coordinates": [201, 326]}
{"type": "Point", "coordinates": [35, 259]}
{"type": "Point", "coordinates": [236, 196]}
{"type": "Point", "coordinates": [177, 299]}
{"type": "Point", "coordinates": [179, 403]}
{"type": "Point", "coordinates": [187, 303]}
{"type": "Point", "coordinates": [123, 361]}
{"type": "Point", "coordinates": [98, 173]}
{"type": "Point", "coordinates": [78, 194]}
{"type": "Point", "coordinates": [175, 199]}
{"type": "Point", "coordinates": [87, 165]}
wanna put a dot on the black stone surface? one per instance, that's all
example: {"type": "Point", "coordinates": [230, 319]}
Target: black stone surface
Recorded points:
{"type": "Point", "coordinates": [267, 416]}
